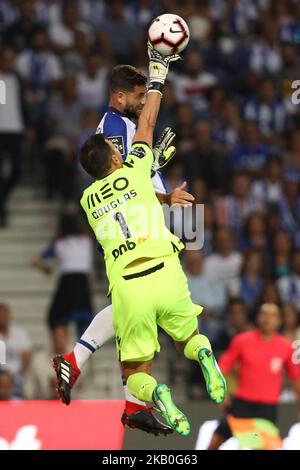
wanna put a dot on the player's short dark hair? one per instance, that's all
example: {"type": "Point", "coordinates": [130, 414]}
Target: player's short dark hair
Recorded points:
{"type": "Point", "coordinates": [95, 156]}
{"type": "Point", "coordinates": [125, 78]}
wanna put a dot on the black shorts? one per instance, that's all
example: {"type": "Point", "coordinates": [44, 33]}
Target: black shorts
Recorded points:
{"type": "Point", "coordinates": [246, 409]}
{"type": "Point", "coordinates": [72, 296]}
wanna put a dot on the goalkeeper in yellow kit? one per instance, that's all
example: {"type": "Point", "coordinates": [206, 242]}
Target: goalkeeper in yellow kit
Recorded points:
{"type": "Point", "coordinates": [146, 281]}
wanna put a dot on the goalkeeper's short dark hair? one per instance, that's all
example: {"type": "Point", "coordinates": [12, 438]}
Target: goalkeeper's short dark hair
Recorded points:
{"type": "Point", "coordinates": [125, 78]}
{"type": "Point", "coordinates": [95, 156]}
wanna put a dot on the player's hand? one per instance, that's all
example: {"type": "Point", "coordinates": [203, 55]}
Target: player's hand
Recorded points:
{"type": "Point", "coordinates": [179, 197]}
{"type": "Point", "coordinates": [159, 65]}
{"type": "Point", "coordinates": [163, 151]}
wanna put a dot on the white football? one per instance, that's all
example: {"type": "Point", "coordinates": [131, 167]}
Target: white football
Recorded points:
{"type": "Point", "coordinates": [169, 34]}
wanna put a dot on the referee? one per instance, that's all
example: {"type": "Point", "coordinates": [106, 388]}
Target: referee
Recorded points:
{"type": "Point", "coordinates": [262, 355]}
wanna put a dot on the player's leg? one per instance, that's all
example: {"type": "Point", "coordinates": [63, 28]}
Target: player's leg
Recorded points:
{"type": "Point", "coordinates": [68, 366]}
{"type": "Point", "coordinates": [145, 387]}
{"type": "Point", "coordinates": [198, 348]}
{"type": "Point", "coordinates": [136, 333]}
{"type": "Point", "coordinates": [220, 435]}
{"type": "Point", "coordinates": [179, 320]}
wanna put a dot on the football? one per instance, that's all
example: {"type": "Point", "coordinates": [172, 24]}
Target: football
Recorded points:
{"type": "Point", "coordinates": [169, 34]}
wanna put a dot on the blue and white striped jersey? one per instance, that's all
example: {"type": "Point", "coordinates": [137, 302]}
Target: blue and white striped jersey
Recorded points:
{"type": "Point", "coordinates": [119, 129]}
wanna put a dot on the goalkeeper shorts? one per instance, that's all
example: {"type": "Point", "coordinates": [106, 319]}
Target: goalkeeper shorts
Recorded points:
{"type": "Point", "coordinates": [153, 294]}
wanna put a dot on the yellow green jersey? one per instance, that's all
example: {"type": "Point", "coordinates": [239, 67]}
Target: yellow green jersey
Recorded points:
{"type": "Point", "coordinates": [126, 216]}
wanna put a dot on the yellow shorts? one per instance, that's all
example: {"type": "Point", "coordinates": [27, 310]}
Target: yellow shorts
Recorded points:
{"type": "Point", "coordinates": [153, 294]}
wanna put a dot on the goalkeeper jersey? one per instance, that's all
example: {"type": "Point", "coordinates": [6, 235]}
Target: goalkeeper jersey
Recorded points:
{"type": "Point", "coordinates": [126, 216]}
{"type": "Point", "coordinates": [120, 130]}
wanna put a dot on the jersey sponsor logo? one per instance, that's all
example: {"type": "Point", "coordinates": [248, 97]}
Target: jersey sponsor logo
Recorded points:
{"type": "Point", "coordinates": [106, 191]}
{"type": "Point", "coordinates": [123, 249]}
{"type": "Point", "coordinates": [138, 152]}
{"type": "Point", "coordinates": [118, 142]}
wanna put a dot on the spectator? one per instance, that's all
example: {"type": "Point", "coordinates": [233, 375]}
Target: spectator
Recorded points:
{"type": "Point", "coordinates": [270, 293]}
{"type": "Point", "coordinates": [281, 259]}
{"type": "Point", "coordinates": [236, 322]}
{"type": "Point", "coordinates": [11, 129]}
{"type": "Point", "coordinates": [289, 286]}
{"type": "Point", "coordinates": [289, 207]}
{"type": "Point", "coordinates": [41, 71]}
{"type": "Point", "coordinates": [292, 159]}
{"type": "Point", "coordinates": [191, 87]}
{"type": "Point", "coordinates": [233, 209]}
{"type": "Point", "coordinates": [18, 348]}
{"type": "Point", "coordinates": [91, 83]}
{"type": "Point", "coordinates": [72, 249]}
{"type": "Point", "coordinates": [268, 189]}
{"type": "Point", "coordinates": [203, 161]}
{"type": "Point", "coordinates": [250, 154]}
{"type": "Point", "coordinates": [166, 117]}
{"type": "Point", "coordinates": [265, 54]}
{"type": "Point", "coordinates": [6, 386]}
{"type": "Point", "coordinates": [118, 36]}
{"type": "Point", "coordinates": [255, 233]}
{"type": "Point", "coordinates": [70, 34]}
{"type": "Point", "coordinates": [251, 282]}
{"type": "Point", "coordinates": [226, 131]}
{"type": "Point", "coordinates": [291, 323]}
{"type": "Point", "coordinates": [19, 34]}
{"type": "Point", "coordinates": [288, 73]}
{"type": "Point", "coordinates": [268, 111]}
{"type": "Point", "coordinates": [9, 14]}
{"type": "Point", "coordinates": [208, 229]}
{"type": "Point", "coordinates": [63, 125]}
{"type": "Point", "coordinates": [225, 264]}
{"type": "Point", "coordinates": [184, 127]}
{"type": "Point", "coordinates": [211, 295]}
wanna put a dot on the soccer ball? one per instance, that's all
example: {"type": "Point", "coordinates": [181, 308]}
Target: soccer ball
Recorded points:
{"type": "Point", "coordinates": [169, 34]}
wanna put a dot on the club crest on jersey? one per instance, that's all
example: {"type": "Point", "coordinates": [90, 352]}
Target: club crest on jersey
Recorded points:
{"type": "Point", "coordinates": [118, 142]}
{"type": "Point", "coordinates": [139, 152]}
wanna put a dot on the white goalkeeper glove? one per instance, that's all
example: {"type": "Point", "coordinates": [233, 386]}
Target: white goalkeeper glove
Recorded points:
{"type": "Point", "coordinates": [163, 151]}
{"type": "Point", "coordinates": [158, 68]}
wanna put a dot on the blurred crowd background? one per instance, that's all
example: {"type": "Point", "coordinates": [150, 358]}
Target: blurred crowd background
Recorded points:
{"type": "Point", "coordinates": [238, 147]}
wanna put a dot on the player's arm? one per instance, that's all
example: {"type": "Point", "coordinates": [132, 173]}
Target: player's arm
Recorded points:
{"type": "Point", "coordinates": [147, 119]}
{"type": "Point", "coordinates": [158, 71]}
{"type": "Point", "coordinates": [178, 197]}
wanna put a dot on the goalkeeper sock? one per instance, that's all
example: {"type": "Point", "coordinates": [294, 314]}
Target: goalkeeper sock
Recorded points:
{"type": "Point", "coordinates": [194, 345]}
{"type": "Point", "coordinates": [99, 331]}
{"type": "Point", "coordinates": [141, 386]}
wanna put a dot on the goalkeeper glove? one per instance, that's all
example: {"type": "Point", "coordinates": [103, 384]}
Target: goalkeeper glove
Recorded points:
{"type": "Point", "coordinates": [158, 68]}
{"type": "Point", "coordinates": [163, 151]}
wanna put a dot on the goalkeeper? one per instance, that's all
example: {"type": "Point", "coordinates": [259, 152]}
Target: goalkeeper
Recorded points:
{"type": "Point", "coordinates": [147, 283]}
{"type": "Point", "coordinates": [127, 90]}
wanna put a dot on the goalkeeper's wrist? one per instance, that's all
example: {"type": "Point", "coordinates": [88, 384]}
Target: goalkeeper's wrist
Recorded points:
{"type": "Point", "coordinates": [155, 85]}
